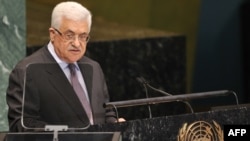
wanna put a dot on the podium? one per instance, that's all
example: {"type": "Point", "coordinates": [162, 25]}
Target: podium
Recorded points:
{"type": "Point", "coordinates": [169, 127]}
{"type": "Point", "coordinates": [151, 129]}
{"type": "Point", "coordinates": [207, 125]}
{"type": "Point", "coordinates": [62, 136]}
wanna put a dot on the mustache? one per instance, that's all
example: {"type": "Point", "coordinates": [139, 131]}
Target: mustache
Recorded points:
{"type": "Point", "coordinates": [74, 48]}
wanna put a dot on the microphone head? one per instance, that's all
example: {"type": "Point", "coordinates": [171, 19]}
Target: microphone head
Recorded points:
{"type": "Point", "coordinates": [141, 80]}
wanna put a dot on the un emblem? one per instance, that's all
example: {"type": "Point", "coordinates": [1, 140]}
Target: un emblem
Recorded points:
{"type": "Point", "coordinates": [201, 131]}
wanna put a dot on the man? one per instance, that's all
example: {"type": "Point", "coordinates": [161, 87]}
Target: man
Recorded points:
{"type": "Point", "coordinates": [52, 99]}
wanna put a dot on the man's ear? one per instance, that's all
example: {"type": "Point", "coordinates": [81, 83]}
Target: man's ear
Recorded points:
{"type": "Point", "coordinates": [52, 33]}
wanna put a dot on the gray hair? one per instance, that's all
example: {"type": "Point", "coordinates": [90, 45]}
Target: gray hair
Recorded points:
{"type": "Point", "coordinates": [70, 10]}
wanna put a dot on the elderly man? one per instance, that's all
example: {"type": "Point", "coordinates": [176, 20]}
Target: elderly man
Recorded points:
{"type": "Point", "coordinates": [65, 87]}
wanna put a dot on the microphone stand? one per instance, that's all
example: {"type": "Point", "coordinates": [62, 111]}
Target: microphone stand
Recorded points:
{"type": "Point", "coordinates": [149, 108]}
{"type": "Point", "coordinates": [145, 83]}
{"type": "Point", "coordinates": [163, 99]}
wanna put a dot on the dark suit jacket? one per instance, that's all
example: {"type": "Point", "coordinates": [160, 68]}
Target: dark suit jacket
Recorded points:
{"type": "Point", "coordinates": [49, 97]}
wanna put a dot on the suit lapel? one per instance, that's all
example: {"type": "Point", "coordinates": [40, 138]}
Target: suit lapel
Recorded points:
{"type": "Point", "coordinates": [64, 88]}
{"type": "Point", "coordinates": [60, 82]}
{"type": "Point", "coordinates": [87, 72]}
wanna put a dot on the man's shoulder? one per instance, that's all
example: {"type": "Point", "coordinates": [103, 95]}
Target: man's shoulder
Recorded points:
{"type": "Point", "coordinates": [89, 61]}
{"type": "Point", "coordinates": [86, 59]}
{"type": "Point", "coordinates": [36, 57]}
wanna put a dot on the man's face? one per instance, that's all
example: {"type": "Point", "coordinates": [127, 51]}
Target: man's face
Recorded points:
{"type": "Point", "coordinates": [70, 39]}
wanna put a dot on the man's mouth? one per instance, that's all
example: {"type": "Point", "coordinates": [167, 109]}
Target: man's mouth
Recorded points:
{"type": "Point", "coordinates": [74, 50]}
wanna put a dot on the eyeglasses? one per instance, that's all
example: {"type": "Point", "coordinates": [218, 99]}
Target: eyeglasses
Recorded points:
{"type": "Point", "coordinates": [70, 36]}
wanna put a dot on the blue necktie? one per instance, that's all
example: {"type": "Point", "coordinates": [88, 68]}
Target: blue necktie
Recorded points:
{"type": "Point", "coordinates": [79, 91]}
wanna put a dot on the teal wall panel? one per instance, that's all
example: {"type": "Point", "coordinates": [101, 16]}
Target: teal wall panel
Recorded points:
{"type": "Point", "coordinates": [12, 47]}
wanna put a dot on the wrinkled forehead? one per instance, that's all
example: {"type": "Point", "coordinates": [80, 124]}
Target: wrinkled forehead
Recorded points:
{"type": "Point", "coordinates": [76, 26]}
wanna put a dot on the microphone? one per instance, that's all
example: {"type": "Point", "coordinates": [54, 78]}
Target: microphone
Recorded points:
{"type": "Point", "coordinates": [146, 90]}
{"type": "Point", "coordinates": [145, 83]}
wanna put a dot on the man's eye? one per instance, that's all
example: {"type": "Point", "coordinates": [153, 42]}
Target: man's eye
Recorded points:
{"type": "Point", "coordinates": [83, 36]}
{"type": "Point", "coordinates": [69, 36]}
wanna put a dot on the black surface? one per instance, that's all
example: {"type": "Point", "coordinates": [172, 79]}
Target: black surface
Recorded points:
{"type": "Point", "coordinates": [167, 127]}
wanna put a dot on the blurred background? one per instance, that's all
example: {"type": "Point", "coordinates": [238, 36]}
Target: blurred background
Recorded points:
{"type": "Point", "coordinates": [213, 36]}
